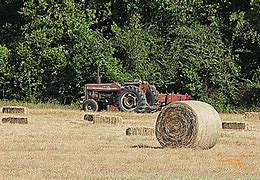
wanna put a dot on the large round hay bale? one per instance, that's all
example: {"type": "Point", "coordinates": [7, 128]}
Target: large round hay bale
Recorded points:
{"type": "Point", "coordinates": [193, 124]}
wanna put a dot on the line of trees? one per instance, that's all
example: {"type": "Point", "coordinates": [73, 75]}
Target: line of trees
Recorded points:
{"type": "Point", "coordinates": [208, 48]}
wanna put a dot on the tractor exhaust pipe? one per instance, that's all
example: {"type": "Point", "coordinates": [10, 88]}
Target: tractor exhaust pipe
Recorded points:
{"type": "Point", "coordinates": [98, 78]}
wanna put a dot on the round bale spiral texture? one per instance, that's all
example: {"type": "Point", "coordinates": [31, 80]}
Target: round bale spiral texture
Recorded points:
{"type": "Point", "coordinates": [192, 124]}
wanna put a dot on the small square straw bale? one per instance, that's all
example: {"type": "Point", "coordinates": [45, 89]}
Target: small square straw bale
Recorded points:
{"type": "Point", "coordinates": [98, 119]}
{"type": "Point", "coordinates": [233, 125]}
{"type": "Point", "coordinates": [141, 131]}
{"type": "Point", "coordinates": [14, 110]}
{"type": "Point", "coordinates": [15, 120]}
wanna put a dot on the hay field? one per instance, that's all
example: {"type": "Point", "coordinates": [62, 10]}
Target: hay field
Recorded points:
{"type": "Point", "coordinates": [58, 144]}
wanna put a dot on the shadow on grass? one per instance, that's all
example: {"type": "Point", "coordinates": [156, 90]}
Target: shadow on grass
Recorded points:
{"type": "Point", "coordinates": [146, 146]}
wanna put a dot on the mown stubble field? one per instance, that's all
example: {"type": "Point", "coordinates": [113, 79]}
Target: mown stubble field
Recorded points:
{"type": "Point", "coordinates": [59, 144]}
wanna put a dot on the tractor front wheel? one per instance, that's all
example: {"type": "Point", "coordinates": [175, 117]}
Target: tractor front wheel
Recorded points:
{"type": "Point", "coordinates": [90, 105]}
{"type": "Point", "coordinates": [131, 99]}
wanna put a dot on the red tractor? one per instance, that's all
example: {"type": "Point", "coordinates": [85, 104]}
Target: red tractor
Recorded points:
{"type": "Point", "coordinates": [137, 96]}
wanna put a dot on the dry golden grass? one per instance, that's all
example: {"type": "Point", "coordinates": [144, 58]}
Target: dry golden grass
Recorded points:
{"type": "Point", "coordinates": [59, 144]}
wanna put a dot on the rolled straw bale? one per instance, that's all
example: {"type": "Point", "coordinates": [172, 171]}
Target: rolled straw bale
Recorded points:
{"type": "Point", "coordinates": [15, 120]}
{"type": "Point", "coordinates": [14, 110]}
{"type": "Point", "coordinates": [233, 125]}
{"type": "Point", "coordinates": [142, 131]}
{"type": "Point", "coordinates": [193, 124]}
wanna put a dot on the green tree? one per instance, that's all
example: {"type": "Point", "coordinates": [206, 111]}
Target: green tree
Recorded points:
{"type": "Point", "coordinates": [208, 48]}
{"type": "Point", "coordinates": [59, 52]}
{"type": "Point", "coordinates": [134, 47]}
{"type": "Point", "coordinates": [5, 73]}
{"type": "Point", "coordinates": [201, 64]}
{"type": "Point", "coordinates": [10, 22]}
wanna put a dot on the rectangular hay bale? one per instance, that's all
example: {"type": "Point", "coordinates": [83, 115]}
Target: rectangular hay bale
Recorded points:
{"type": "Point", "coordinates": [233, 125]}
{"type": "Point", "coordinates": [90, 117]}
{"type": "Point", "coordinates": [98, 119]}
{"type": "Point", "coordinates": [14, 110]}
{"type": "Point", "coordinates": [107, 120]}
{"type": "Point", "coordinates": [15, 120]}
{"type": "Point", "coordinates": [252, 115]}
{"type": "Point", "coordinates": [141, 131]}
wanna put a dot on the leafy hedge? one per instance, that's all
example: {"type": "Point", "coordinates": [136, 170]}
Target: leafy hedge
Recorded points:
{"type": "Point", "coordinates": [209, 49]}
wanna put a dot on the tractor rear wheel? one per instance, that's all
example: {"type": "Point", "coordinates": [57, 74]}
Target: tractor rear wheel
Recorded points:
{"type": "Point", "coordinates": [90, 105]}
{"type": "Point", "coordinates": [152, 96]}
{"type": "Point", "coordinates": [131, 99]}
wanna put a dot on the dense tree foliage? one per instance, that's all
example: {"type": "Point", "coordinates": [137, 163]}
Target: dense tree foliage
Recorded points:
{"type": "Point", "coordinates": [211, 49]}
